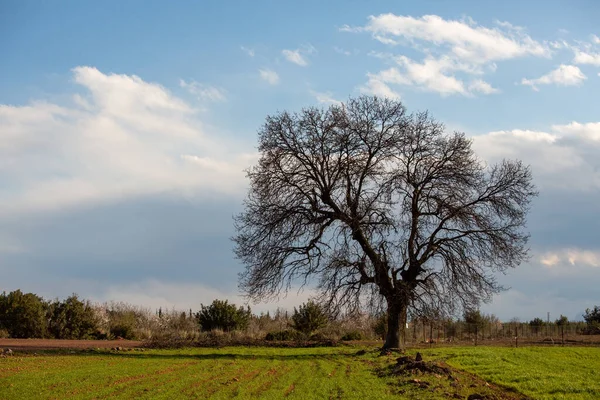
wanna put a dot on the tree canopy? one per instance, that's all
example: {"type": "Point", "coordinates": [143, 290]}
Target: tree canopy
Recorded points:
{"type": "Point", "coordinates": [379, 205]}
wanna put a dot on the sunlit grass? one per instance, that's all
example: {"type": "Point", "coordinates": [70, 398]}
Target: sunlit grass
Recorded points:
{"type": "Point", "coordinates": [221, 373]}
{"type": "Point", "coordinates": [540, 372]}
{"type": "Point", "coordinates": [301, 373]}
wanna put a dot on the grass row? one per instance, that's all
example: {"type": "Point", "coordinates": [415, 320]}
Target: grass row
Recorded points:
{"type": "Point", "coordinates": [303, 373]}
{"type": "Point", "coordinates": [539, 372]}
{"type": "Point", "coordinates": [199, 373]}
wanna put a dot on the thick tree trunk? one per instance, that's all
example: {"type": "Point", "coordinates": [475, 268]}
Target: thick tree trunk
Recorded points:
{"type": "Point", "coordinates": [396, 325]}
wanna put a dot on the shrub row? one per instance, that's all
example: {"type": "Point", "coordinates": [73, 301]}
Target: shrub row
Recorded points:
{"type": "Point", "coordinates": [27, 315]}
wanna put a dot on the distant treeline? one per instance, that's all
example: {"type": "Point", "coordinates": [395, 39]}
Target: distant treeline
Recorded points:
{"type": "Point", "coordinates": [27, 315]}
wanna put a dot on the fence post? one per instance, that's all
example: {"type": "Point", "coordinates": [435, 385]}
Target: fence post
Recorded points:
{"type": "Point", "coordinates": [445, 332]}
{"type": "Point", "coordinates": [415, 331]}
{"type": "Point", "coordinates": [476, 335]}
{"type": "Point", "coordinates": [516, 336]}
{"type": "Point", "coordinates": [562, 333]}
{"type": "Point", "coordinates": [522, 330]}
{"type": "Point", "coordinates": [430, 333]}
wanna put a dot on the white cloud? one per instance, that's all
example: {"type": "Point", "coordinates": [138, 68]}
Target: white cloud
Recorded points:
{"type": "Point", "coordinates": [526, 135]}
{"type": "Point", "coordinates": [586, 52]}
{"type": "Point", "coordinates": [123, 138]}
{"type": "Point", "coordinates": [451, 48]}
{"type": "Point", "coordinates": [181, 296]}
{"type": "Point", "coordinates": [325, 97]}
{"type": "Point", "coordinates": [203, 91]}
{"type": "Point", "coordinates": [587, 131]}
{"type": "Point", "coordinates": [583, 257]}
{"type": "Point", "coordinates": [582, 57]}
{"type": "Point", "coordinates": [295, 57]}
{"type": "Point", "coordinates": [534, 302]}
{"type": "Point", "coordinates": [465, 39]}
{"type": "Point", "coordinates": [572, 256]}
{"type": "Point", "coordinates": [298, 56]}
{"type": "Point", "coordinates": [377, 86]}
{"type": "Point", "coordinates": [269, 75]}
{"type": "Point", "coordinates": [220, 166]}
{"type": "Point", "coordinates": [550, 259]}
{"type": "Point", "coordinates": [564, 75]}
{"type": "Point", "coordinates": [248, 51]}
{"type": "Point", "coordinates": [431, 75]}
{"type": "Point", "coordinates": [482, 86]}
{"type": "Point", "coordinates": [154, 294]}
{"type": "Point", "coordinates": [564, 157]}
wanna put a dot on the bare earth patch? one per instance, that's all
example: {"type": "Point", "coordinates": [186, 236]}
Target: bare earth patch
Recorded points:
{"type": "Point", "coordinates": [50, 344]}
{"type": "Point", "coordinates": [430, 377]}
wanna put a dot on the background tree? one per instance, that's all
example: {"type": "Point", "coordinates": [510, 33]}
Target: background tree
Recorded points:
{"type": "Point", "coordinates": [536, 324]}
{"type": "Point", "coordinates": [380, 325]}
{"type": "Point", "coordinates": [125, 320]}
{"type": "Point", "coordinates": [222, 315]}
{"type": "Point", "coordinates": [474, 320]}
{"type": "Point", "coordinates": [562, 321]}
{"type": "Point", "coordinates": [592, 315]}
{"type": "Point", "coordinates": [308, 318]}
{"type": "Point", "coordinates": [23, 315]}
{"type": "Point", "coordinates": [592, 318]}
{"type": "Point", "coordinates": [378, 205]}
{"type": "Point", "coordinates": [72, 319]}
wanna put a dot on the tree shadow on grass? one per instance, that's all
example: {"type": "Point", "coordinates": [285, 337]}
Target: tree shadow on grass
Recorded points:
{"type": "Point", "coordinates": [214, 354]}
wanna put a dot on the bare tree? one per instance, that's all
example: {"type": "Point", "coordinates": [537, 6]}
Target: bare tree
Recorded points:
{"type": "Point", "coordinates": [378, 205]}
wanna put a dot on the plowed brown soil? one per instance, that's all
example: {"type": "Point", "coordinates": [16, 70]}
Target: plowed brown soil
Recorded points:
{"type": "Point", "coordinates": [49, 344]}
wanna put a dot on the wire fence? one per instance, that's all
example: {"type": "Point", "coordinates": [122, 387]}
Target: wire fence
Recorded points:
{"type": "Point", "coordinates": [514, 333]}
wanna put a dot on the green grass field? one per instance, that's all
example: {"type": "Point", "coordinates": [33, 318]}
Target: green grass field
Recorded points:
{"type": "Point", "coordinates": [539, 372]}
{"type": "Point", "coordinates": [303, 373]}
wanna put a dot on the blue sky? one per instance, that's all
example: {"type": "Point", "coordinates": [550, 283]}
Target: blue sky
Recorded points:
{"type": "Point", "coordinates": [125, 128]}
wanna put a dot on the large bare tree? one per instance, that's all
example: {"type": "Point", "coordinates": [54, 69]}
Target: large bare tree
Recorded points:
{"type": "Point", "coordinates": [379, 204]}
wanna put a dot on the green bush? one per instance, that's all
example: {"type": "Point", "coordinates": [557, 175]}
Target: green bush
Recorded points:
{"type": "Point", "coordinates": [474, 320]}
{"type": "Point", "coordinates": [536, 324]}
{"type": "Point", "coordinates": [562, 321]}
{"type": "Point", "coordinates": [354, 335]}
{"type": "Point", "coordinates": [224, 316]}
{"type": "Point", "coordinates": [593, 328]}
{"type": "Point", "coordinates": [286, 335]}
{"type": "Point", "coordinates": [73, 319]}
{"type": "Point", "coordinates": [318, 337]}
{"type": "Point", "coordinates": [592, 315]}
{"type": "Point", "coordinates": [451, 327]}
{"type": "Point", "coordinates": [123, 323]}
{"type": "Point", "coordinates": [308, 318]}
{"type": "Point", "coordinates": [380, 326]}
{"type": "Point", "coordinates": [99, 335]}
{"type": "Point", "coordinates": [592, 319]}
{"type": "Point", "coordinates": [123, 330]}
{"type": "Point", "coordinates": [23, 315]}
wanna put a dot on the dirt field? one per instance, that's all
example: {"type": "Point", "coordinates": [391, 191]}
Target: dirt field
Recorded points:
{"type": "Point", "coordinates": [50, 344]}
{"type": "Point", "coordinates": [47, 344]}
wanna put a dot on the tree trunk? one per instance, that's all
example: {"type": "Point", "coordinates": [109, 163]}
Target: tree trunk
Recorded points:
{"type": "Point", "coordinates": [396, 325]}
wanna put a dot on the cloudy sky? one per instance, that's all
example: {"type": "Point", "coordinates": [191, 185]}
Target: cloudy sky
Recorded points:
{"type": "Point", "coordinates": [125, 128]}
